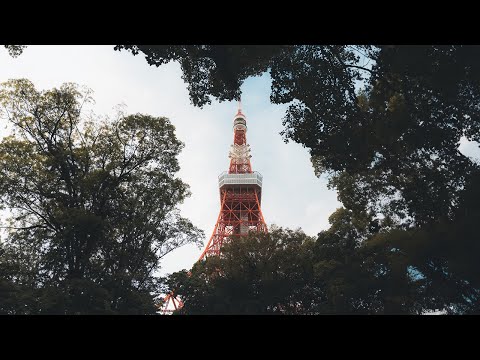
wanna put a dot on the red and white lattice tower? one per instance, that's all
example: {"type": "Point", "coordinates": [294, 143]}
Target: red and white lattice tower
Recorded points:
{"type": "Point", "coordinates": [240, 199]}
{"type": "Point", "coordinates": [240, 194]}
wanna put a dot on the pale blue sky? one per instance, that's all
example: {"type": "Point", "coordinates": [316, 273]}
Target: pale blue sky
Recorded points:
{"type": "Point", "coordinates": [292, 196]}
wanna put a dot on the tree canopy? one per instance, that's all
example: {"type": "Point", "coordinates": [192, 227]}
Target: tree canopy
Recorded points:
{"type": "Point", "coordinates": [384, 121]}
{"type": "Point", "coordinates": [385, 124]}
{"type": "Point", "coordinates": [93, 205]}
{"type": "Point", "coordinates": [259, 274]}
{"type": "Point", "coordinates": [360, 265]}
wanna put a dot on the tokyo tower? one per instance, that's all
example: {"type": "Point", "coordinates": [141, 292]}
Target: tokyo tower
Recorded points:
{"type": "Point", "coordinates": [240, 191]}
{"type": "Point", "coordinates": [240, 194]}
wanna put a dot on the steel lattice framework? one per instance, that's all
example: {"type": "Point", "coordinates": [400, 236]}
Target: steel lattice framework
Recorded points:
{"type": "Point", "coordinates": [240, 201]}
{"type": "Point", "coordinates": [240, 194]}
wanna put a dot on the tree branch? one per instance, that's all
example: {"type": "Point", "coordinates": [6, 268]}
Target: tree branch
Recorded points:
{"type": "Point", "coordinates": [24, 228]}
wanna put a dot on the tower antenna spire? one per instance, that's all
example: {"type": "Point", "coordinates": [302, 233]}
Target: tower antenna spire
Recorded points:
{"type": "Point", "coordinates": [240, 104]}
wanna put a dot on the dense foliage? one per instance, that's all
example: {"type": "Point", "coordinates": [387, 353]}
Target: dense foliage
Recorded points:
{"type": "Point", "coordinates": [384, 121]}
{"type": "Point", "coordinates": [255, 275]}
{"type": "Point", "coordinates": [93, 205]}
{"type": "Point", "coordinates": [358, 266]}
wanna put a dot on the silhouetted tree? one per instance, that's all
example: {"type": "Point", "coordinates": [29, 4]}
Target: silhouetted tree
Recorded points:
{"type": "Point", "coordinates": [259, 274]}
{"type": "Point", "coordinates": [384, 122]}
{"type": "Point", "coordinates": [390, 145]}
{"type": "Point", "coordinates": [360, 265]}
{"type": "Point", "coordinates": [93, 205]}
